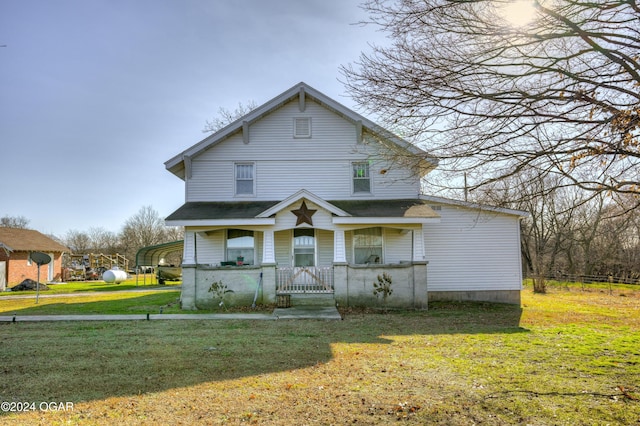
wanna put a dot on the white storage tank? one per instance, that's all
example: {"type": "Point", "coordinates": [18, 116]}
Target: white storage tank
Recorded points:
{"type": "Point", "coordinates": [114, 275]}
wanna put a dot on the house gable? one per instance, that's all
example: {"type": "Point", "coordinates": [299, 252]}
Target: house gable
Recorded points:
{"type": "Point", "coordinates": [300, 195]}
{"type": "Point", "coordinates": [281, 164]}
{"type": "Point", "coordinates": [300, 95]}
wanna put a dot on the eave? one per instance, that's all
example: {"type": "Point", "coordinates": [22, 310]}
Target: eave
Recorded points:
{"type": "Point", "coordinates": [384, 220]}
{"type": "Point", "coordinates": [223, 222]}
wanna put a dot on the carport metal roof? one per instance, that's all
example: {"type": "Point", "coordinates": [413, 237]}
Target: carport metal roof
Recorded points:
{"type": "Point", "coordinates": [151, 255]}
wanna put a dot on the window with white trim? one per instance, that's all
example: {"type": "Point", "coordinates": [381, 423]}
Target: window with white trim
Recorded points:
{"type": "Point", "coordinates": [361, 177]}
{"type": "Point", "coordinates": [302, 127]}
{"type": "Point", "coordinates": [240, 246]}
{"type": "Point", "coordinates": [245, 178]}
{"type": "Point", "coordinates": [367, 246]}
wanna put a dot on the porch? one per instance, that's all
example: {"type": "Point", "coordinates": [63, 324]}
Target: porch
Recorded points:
{"type": "Point", "coordinates": [343, 284]}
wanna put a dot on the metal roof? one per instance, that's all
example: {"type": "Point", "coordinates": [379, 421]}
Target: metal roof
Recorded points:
{"type": "Point", "coordinates": [151, 255]}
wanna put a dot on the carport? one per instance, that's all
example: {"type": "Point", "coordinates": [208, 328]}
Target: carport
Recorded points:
{"type": "Point", "coordinates": [151, 255]}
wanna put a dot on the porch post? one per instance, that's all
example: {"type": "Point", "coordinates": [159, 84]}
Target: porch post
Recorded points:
{"type": "Point", "coordinates": [420, 288]}
{"type": "Point", "coordinates": [339, 251]}
{"type": "Point", "coordinates": [268, 267]}
{"type": "Point", "coordinates": [268, 249]}
{"type": "Point", "coordinates": [418, 245]}
{"type": "Point", "coordinates": [188, 293]}
{"type": "Point", "coordinates": [340, 273]}
{"type": "Point", "coordinates": [189, 254]}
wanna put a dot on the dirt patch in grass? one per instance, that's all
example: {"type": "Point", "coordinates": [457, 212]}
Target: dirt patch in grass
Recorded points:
{"type": "Point", "coordinates": [455, 364]}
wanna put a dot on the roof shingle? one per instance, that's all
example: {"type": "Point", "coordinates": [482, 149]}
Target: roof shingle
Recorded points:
{"type": "Point", "coordinates": [16, 239]}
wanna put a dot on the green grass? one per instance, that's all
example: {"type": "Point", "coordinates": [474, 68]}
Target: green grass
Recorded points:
{"type": "Point", "coordinates": [565, 358]}
{"type": "Point", "coordinates": [590, 286]}
{"type": "Point", "coordinates": [112, 303]}
{"type": "Point", "coordinates": [92, 286]}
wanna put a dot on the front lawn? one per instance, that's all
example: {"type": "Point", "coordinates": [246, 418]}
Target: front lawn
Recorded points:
{"type": "Point", "coordinates": [125, 302]}
{"type": "Point", "coordinates": [565, 358]}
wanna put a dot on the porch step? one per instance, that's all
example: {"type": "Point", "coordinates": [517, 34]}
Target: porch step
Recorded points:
{"type": "Point", "coordinates": [311, 299]}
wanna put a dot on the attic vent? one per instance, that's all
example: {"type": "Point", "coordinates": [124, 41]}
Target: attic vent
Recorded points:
{"type": "Point", "coordinates": [436, 208]}
{"type": "Point", "coordinates": [302, 127]}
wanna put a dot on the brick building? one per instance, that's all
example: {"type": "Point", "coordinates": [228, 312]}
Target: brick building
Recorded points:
{"type": "Point", "coordinates": [16, 246]}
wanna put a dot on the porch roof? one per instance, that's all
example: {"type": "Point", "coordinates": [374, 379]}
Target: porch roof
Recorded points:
{"type": "Point", "coordinates": [243, 210]}
{"type": "Point", "coordinates": [202, 210]}
{"type": "Point", "coordinates": [404, 208]}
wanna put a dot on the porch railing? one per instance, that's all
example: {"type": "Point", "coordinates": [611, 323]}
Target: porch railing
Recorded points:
{"type": "Point", "coordinates": [304, 279]}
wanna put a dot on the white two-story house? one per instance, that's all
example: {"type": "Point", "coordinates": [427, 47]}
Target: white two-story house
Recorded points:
{"type": "Point", "coordinates": [303, 196]}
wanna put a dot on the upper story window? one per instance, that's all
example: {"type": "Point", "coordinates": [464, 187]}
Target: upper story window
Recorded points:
{"type": "Point", "coordinates": [240, 246]}
{"type": "Point", "coordinates": [302, 127]}
{"type": "Point", "coordinates": [245, 178]}
{"type": "Point", "coordinates": [361, 177]}
{"type": "Point", "coordinates": [367, 246]}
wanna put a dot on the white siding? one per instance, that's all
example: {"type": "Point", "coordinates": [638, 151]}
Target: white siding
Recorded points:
{"type": "Point", "coordinates": [473, 250]}
{"type": "Point", "coordinates": [210, 247]}
{"type": "Point", "coordinates": [324, 247]}
{"type": "Point", "coordinates": [284, 164]}
{"type": "Point", "coordinates": [282, 240]}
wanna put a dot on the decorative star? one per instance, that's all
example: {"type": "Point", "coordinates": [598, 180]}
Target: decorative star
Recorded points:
{"type": "Point", "coordinates": [304, 214]}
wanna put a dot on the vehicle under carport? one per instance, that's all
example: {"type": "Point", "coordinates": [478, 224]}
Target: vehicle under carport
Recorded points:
{"type": "Point", "coordinates": [151, 256]}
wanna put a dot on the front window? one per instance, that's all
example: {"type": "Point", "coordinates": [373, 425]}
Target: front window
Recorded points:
{"type": "Point", "coordinates": [367, 246]}
{"type": "Point", "coordinates": [245, 179]}
{"type": "Point", "coordinates": [240, 246]}
{"type": "Point", "coordinates": [361, 178]}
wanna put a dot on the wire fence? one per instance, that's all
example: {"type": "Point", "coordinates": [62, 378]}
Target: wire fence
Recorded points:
{"type": "Point", "coordinates": [591, 281]}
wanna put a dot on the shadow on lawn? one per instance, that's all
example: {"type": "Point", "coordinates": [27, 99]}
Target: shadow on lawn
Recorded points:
{"type": "Point", "coordinates": [76, 361]}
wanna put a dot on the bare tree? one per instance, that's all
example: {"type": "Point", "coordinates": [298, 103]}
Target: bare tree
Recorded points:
{"type": "Point", "coordinates": [14, 222]}
{"type": "Point", "coordinates": [226, 116]}
{"type": "Point", "coordinates": [551, 232]}
{"type": "Point", "coordinates": [616, 245]}
{"type": "Point", "coordinates": [103, 241]}
{"type": "Point", "coordinates": [558, 95]}
{"type": "Point", "coordinates": [146, 228]}
{"type": "Point", "coordinates": [174, 233]}
{"type": "Point", "coordinates": [79, 242]}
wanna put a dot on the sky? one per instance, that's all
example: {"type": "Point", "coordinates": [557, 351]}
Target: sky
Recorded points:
{"type": "Point", "coordinates": [95, 95]}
